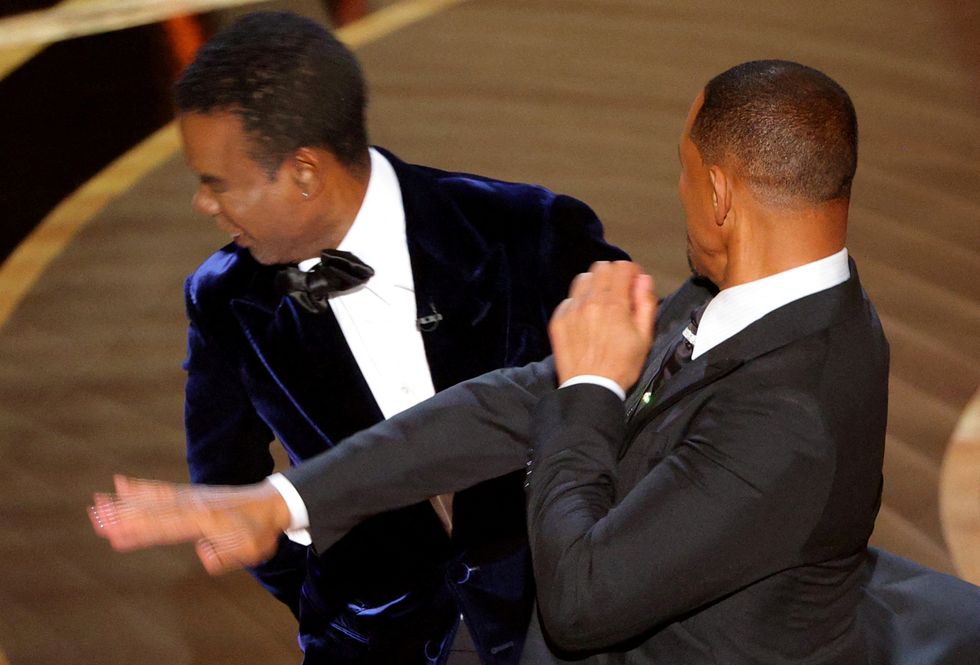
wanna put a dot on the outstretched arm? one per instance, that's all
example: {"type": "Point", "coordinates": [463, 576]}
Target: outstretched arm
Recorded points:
{"type": "Point", "coordinates": [474, 431]}
{"type": "Point", "coordinates": [470, 433]}
{"type": "Point", "coordinates": [480, 429]}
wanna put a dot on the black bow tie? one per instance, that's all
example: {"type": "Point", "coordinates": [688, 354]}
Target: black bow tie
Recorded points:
{"type": "Point", "coordinates": [338, 271]}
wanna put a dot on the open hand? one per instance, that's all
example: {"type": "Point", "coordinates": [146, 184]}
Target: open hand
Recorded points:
{"type": "Point", "coordinates": [231, 527]}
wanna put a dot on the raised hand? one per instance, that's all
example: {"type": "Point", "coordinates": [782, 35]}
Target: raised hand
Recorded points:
{"type": "Point", "coordinates": [231, 527]}
{"type": "Point", "coordinates": [605, 326]}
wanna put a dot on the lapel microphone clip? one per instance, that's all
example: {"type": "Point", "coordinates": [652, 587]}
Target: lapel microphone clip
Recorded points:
{"type": "Point", "coordinates": [429, 322]}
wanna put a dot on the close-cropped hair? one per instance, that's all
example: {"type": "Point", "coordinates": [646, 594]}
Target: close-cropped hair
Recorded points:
{"type": "Point", "coordinates": [289, 80]}
{"type": "Point", "coordinates": [789, 130]}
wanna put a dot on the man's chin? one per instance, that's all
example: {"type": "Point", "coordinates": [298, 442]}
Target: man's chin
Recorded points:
{"type": "Point", "coordinates": [258, 255]}
{"type": "Point", "coordinates": [263, 260]}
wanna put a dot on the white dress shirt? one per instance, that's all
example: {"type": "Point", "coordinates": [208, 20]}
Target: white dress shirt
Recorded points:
{"type": "Point", "coordinates": [737, 307]}
{"type": "Point", "coordinates": [378, 318]}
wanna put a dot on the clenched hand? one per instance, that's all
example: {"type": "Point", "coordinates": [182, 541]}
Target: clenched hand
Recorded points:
{"type": "Point", "coordinates": [605, 326]}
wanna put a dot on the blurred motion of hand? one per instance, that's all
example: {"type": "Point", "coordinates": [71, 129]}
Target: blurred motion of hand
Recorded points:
{"type": "Point", "coordinates": [231, 527]}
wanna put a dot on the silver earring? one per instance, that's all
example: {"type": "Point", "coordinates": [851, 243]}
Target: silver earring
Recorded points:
{"type": "Point", "coordinates": [306, 195]}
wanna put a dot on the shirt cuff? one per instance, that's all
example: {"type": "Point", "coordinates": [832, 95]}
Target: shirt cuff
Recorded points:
{"type": "Point", "coordinates": [594, 380]}
{"type": "Point", "coordinates": [299, 518]}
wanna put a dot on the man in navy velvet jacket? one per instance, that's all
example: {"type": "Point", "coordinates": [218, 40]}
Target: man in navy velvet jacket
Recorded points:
{"type": "Point", "coordinates": [466, 273]}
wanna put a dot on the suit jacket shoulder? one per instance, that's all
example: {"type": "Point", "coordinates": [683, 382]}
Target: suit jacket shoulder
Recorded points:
{"type": "Point", "coordinates": [547, 237]}
{"type": "Point", "coordinates": [228, 273]}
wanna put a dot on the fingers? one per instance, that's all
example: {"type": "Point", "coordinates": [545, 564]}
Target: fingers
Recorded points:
{"type": "Point", "coordinates": [564, 307]}
{"type": "Point", "coordinates": [155, 490]}
{"type": "Point", "coordinates": [612, 279]}
{"type": "Point", "coordinates": [230, 527]}
{"type": "Point", "coordinates": [644, 304]}
{"type": "Point", "coordinates": [605, 280]}
{"type": "Point", "coordinates": [236, 547]}
{"type": "Point", "coordinates": [110, 522]}
{"type": "Point", "coordinates": [101, 513]}
{"type": "Point", "coordinates": [209, 557]}
{"type": "Point", "coordinates": [609, 284]}
{"type": "Point", "coordinates": [222, 553]}
{"type": "Point", "coordinates": [144, 513]}
{"type": "Point", "coordinates": [581, 285]}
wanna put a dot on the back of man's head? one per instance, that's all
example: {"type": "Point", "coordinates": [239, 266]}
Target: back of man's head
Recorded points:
{"type": "Point", "coordinates": [788, 130]}
{"type": "Point", "coordinates": [292, 83]}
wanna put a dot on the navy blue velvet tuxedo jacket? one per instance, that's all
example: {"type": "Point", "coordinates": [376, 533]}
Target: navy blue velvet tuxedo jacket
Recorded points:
{"type": "Point", "coordinates": [493, 259]}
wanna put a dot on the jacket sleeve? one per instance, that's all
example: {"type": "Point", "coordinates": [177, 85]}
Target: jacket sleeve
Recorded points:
{"type": "Point", "coordinates": [228, 443]}
{"type": "Point", "coordinates": [474, 431]}
{"type": "Point", "coordinates": [608, 567]}
{"type": "Point", "coordinates": [571, 241]}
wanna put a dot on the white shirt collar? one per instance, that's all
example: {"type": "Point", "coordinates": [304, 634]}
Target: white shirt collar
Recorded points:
{"type": "Point", "coordinates": [377, 235]}
{"type": "Point", "coordinates": [735, 308]}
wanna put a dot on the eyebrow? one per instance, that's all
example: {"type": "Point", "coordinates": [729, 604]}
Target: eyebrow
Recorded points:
{"type": "Point", "coordinates": [208, 179]}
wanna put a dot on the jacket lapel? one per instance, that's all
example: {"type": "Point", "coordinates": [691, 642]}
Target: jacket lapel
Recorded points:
{"type": "Point", "coordinates": [461, 283]}
{"type": "Point", "coordinates": [308, 360]}
{"type": "Point", "coordinates": [693, 376]}
{"type": "Point", "coordinates": [780, 327]}
{"type": "Point", "coordinates": [673, 315]}
{"type": "Point", "coordinates": [655, 361]}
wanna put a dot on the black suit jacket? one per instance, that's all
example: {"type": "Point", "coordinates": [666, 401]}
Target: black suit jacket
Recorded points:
{"type": "Point", "coordinates": [913, 615]}
{"type": "Point", "coordinates": [493, 259]}
{"type": "Point", "coordinates": [725, 523]}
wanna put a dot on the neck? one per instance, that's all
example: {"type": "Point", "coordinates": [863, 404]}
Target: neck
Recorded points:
{"type": "Point", "coordinates": [345, 191]}
{"type": "Point", "coordinates": [766, 241]}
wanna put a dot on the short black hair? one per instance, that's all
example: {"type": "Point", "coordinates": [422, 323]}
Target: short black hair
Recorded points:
{"type": "Point", "coordinates": [789, 130]}
{"type": "Point", "coordinates": [292, 83]}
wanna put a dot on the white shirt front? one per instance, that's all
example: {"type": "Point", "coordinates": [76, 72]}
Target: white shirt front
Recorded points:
{"type": "Point", "coordinates": [378, 319]}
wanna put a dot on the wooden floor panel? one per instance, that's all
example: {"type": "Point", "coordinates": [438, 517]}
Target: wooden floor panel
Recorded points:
{"type": "Point", "coordinates": [585, 97]}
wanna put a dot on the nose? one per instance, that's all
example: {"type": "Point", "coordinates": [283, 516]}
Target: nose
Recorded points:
{"type": "Point", "coordinates": [205, 203]}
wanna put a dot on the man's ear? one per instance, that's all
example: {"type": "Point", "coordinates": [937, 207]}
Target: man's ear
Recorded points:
{"type": "Point", "coordinates": [306, 170]}
{"type": "Point", "coordinates": [721, 193]}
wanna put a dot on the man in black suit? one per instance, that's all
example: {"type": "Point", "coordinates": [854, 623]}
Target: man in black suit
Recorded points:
{"type": "Point", "coordinates": [711, 504]}
{"type": "Point", "coordinates": [464, 273]}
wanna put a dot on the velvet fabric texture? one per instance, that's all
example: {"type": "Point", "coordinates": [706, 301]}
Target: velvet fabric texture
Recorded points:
{"type": "Point", "coordinates": [494, 259]}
